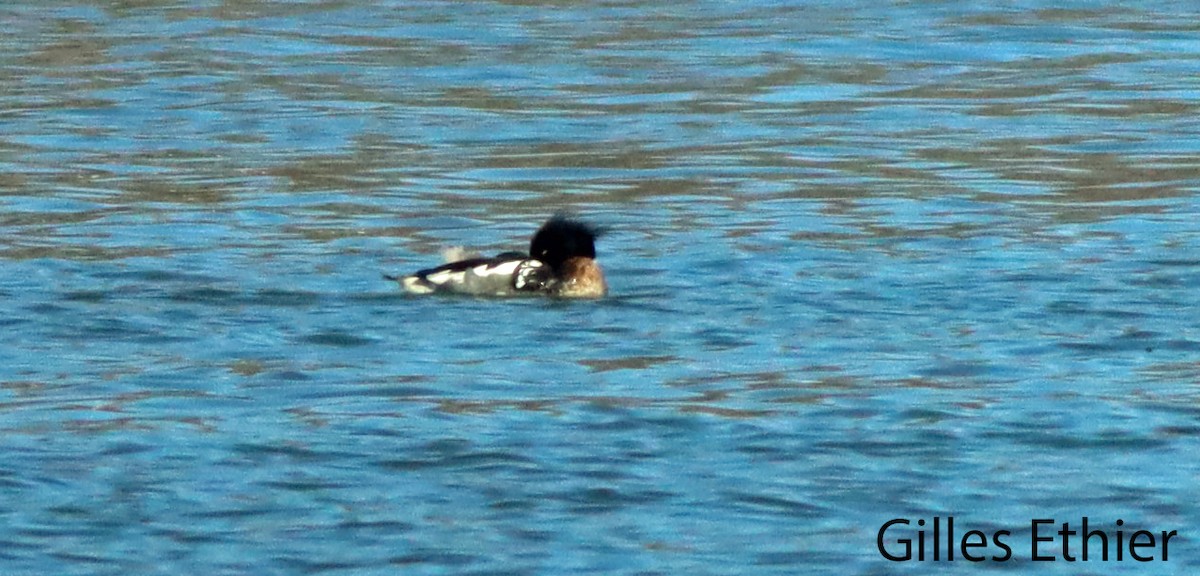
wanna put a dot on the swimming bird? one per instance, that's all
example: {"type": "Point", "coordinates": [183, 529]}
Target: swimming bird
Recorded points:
{"type": "Point", "coordinates": [561, 262]}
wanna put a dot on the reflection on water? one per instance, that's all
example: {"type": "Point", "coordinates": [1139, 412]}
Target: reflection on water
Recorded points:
{"type": "Point", "coordinates": [867, 261]}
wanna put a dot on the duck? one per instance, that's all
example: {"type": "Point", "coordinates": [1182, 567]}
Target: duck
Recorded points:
{"type": "Point", "coordinates": [561, 263]}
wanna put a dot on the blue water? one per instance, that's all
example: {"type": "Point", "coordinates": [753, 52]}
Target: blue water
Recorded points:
{"type": "Point", "coordinates": [867, 261]}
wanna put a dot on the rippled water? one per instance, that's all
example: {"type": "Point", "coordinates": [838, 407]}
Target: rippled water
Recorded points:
{"type": "Point", "coordinates": [868, 261]}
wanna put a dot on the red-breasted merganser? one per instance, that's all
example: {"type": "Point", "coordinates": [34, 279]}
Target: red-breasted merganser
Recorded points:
{"type": "Point", "coordinates": [561, 262]}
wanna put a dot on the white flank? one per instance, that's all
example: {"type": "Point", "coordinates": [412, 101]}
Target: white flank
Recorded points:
{"type": "Point", "coordinates": [523, 273]}
{"type": "Point", "coordinates": [413, 285]}
{"type": "Point", "coordinates": [446, 276]}
{"type": "Point", "coordinates": [502, 269]}
{"type": "Point", "coordinates": [491, 278]}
